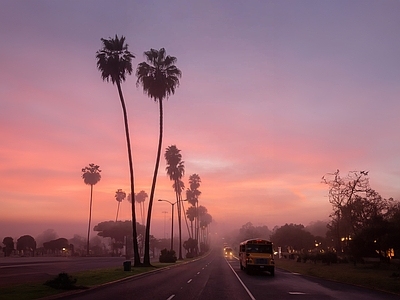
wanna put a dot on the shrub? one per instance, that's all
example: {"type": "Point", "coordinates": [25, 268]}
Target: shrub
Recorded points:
{"type": "Point", "coordinates": [167, 256]}
{"type": "Point", "coordinates": [63, 282]}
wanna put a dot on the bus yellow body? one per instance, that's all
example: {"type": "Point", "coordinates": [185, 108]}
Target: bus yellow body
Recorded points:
{"type": "Point", "coordinates": [257, 254]}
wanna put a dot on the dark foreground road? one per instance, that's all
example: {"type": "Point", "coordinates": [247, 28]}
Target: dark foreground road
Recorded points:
{"type": "Point", "coordinates": [217, 277]}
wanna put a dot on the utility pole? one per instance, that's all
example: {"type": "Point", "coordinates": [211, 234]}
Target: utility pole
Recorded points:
{"type": "Point", "coordinates": [164, 212]}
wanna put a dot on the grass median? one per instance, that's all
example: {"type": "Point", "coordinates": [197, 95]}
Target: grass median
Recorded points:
{"type": "Point", "coordinates": [85, 279]}
{"type": "Point", "coordinates": [383, 277]}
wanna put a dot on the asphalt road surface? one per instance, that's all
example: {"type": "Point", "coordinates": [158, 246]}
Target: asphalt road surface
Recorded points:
{"type": "Point", "coordinates": [219, 277]}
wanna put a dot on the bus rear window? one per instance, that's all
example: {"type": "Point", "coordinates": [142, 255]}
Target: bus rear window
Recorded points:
{"type": "Point", "coordinates": [254, 248]}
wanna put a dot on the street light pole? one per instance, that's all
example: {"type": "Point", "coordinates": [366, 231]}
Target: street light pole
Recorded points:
{"type": "Point", "coordinates": [164, 212]}
{"type": "Point", "coordinates": [172, 221]}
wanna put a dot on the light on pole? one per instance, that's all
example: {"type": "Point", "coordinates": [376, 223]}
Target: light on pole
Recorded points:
{"type": "Point", "coordinates": [172, 221]}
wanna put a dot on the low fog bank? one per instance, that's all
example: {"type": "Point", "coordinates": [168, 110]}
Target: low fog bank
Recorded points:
{"type": "Point", "coordinates": [220, 231]}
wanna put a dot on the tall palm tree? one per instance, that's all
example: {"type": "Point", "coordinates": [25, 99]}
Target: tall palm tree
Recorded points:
{"type": "Point", "coordinates": [119, 196]}
{"type": "Point", "coordinates": [91, 176]}
{"type": "Point", "coordinates": [114, 61]}
{"type": "Point", "coordinates": [175, 170]}
{"type": "Point", "coordinates": [159, 78]}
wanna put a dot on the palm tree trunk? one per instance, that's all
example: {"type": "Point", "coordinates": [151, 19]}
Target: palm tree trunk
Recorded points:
{"type": "Point", "coordinates": [153, 187]}
{"type": "Point", "coordinates": [178, 201]}
{"type": "Point", "coordinates": [186, 221]}
{"type": "Point", "coordinates": [90, 219]}
{"type": "Point", "coordinates": [136, 261]}
{"type": "Point", "coordinates": [116, 218]}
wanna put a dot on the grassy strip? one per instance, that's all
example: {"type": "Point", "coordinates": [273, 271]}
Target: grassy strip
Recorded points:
{"type": "Point", "coordinates": [89, 278]}
{"type": "Point", "coordinates": [382, 277]}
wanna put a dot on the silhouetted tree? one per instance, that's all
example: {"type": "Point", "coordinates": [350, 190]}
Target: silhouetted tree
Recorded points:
{"type": "Point", "coordinates": [78, 243]}
{"type": "Point", "coordinates": [114, 61]}
{"type": "Point", "coordinates": [175, 170]}
{"type": "Point", "coordinates": [205, 221]}
{"type": "Point", "coordinates": [192, 196]}
{"type": "Point", "coordinates": [293, 236]}
{"type": "Point", "coordinates": [91, 176]}
{"type": "Point", "coordinates": [159, 78]}
{"type": "Point", "coordinates": [141, 198]}
{"type": "Point", "coordinates": [249, 231]}
{"type": "Point", "coordinates": [117, 231]}
{"type": "Point", "coordinates": [341, 194]}
{"type": "Point", "coordinates": [56, 245]}
{"type": "Point", "coordinates": [45, 236]}
{"type": "Point", "coordinates": [26, 243]}
{"type": "Point", "coordinates": [8, 243]}
{"type": "Point", "coordinates": [191, 214]}
{"type": "Point", "coordinates": [119, 196]}
{"type": "Point", "coordinates": [190, 245]}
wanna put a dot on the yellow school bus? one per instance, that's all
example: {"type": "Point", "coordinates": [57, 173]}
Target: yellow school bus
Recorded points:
{"type": "Point", "coordinates": [257, 254]}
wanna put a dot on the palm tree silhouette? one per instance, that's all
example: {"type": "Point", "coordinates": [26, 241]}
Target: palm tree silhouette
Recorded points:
{"type": "Point", "coordinates": [191, 214]}
{"type": "Point", "coordinates": [91, 176]}
{"type": "Point", "coordinates": [114, 61]}
{"type": "Point", "coordinates": [140, 198]}
{"type": "Point", "coordinates": [192, 195]}
{"type": "Point", "coordinates": [119, 196]}
{"type": "Point", "coordinates": [159, 78]}
{"type": "Point", "coordinates": [175, 170]}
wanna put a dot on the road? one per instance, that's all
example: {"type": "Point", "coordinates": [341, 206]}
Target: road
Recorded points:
{"type": "Point", "coordinates": [217, 277]}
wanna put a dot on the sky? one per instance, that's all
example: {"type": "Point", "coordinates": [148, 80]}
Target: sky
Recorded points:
{"type": "Point", "coordinates": [273, 96]}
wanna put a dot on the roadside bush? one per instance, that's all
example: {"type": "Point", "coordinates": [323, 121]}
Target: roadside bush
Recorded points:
{"type": "Point", "coordinates": [167, 256]}
{"type": "Point", "coordinates": [63, 282]}
{"type": "Point", "coordinates": [329, 258]}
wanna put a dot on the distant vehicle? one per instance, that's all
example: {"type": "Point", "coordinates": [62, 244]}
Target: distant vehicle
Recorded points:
{"type": "Point", "coordinates": [257, 254]}
{"type": "Point", "coordinates": [228, 251]}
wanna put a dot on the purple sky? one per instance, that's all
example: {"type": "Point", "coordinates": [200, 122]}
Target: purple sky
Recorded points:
{"type": "Point", "coordinates": [274, 94]}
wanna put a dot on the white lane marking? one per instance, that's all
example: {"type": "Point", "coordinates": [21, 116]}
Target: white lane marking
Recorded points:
{"type": "Point", "coordinates": [296, 293]}
{"type": "Point", "coordinates": [237, 276]}
{"type": "Point", "coordinates": [198, 273]}
{"type": "Point", "coordinates": [170, 297]}
{"type": "Point", "coordinates": [189, 281]}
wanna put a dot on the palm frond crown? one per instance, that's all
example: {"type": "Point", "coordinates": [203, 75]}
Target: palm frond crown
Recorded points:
{"type": "Point", "coordinates": [114, 60]}
{"type": "Point", "coordinates": [159, 76]}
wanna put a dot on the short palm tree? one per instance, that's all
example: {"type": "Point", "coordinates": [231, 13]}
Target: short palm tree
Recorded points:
{"type": "Point", "coordinates": [192, 195]}
{"type": "Point", "coordinates": [159, 78]}
{"type": "Point", "coordinates": [140, 198]}
{"type": "Point", "coordinates": [191, 214]}
{"type": "Point", "coordinates": [91, 176]}
{"type": "Point", "coordinates": [119, 196]}
{"type": "Point", "coordinates": [114, 61]}
{"type": "Point", "coordinates": [175, 170]}
{"type": "Point", "coordinates": [205, 220]}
